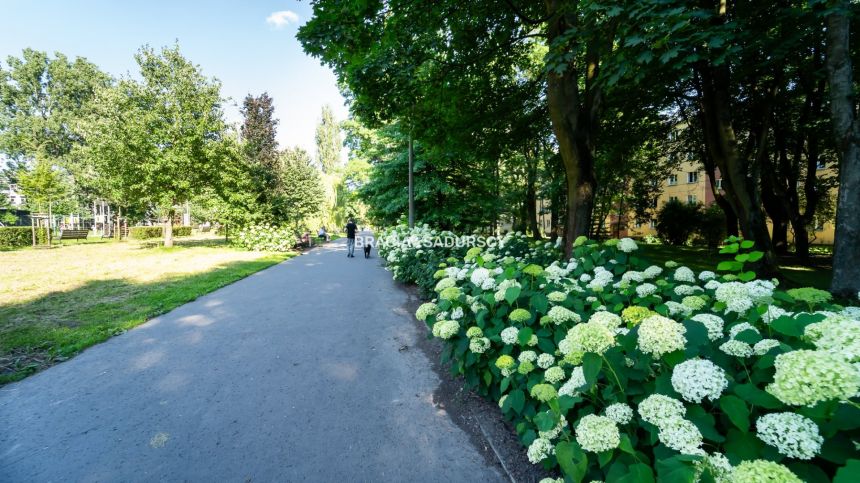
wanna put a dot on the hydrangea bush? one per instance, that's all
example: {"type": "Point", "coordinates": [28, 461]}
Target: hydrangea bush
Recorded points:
{"type": "Point", "coordinates": [612, 370]}
{"type": "Point", "coordinates": [265, 238]}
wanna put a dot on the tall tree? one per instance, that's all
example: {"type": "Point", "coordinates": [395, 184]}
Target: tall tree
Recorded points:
{"type": "Point", "coordinates": [43, 186]}
{"type": "Point", "coordinates": [164, 142]}
{"type": "Point", "coordinates": [41, 100]}
{"type": "Point", "coordinates": [328, 140]}
{"type": "Point", "coordinates": [843, 102]}
{"type": "Point", "coordinates": [260, 147]}
{"type": "Point", "coordinates": [300, 194]}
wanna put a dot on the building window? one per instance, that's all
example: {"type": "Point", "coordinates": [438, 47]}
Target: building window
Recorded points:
{"type": "Point", "coordinates": [653, 224]}
{"type": "Point", "coordinates": [673, 179]}
{"type": "Point", "coordinates": [691, 199]}
{"type": "Point", "coordinates": [638, 224]}
{"type": "Point", "coordinates": [673, 198]}
{"type": "Point", "coordinates": [821, 164]}
{"type": "Point", "coordinates": [719, 183]}
{"type": "Point", "coordinates": [693, 177]}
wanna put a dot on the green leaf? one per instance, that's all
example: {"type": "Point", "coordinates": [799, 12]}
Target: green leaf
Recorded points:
{"type": "Point", "coordinates": [743, 257]}
{"type": "Point", "coordinates": [747, 244]}
{"type": "Point", "coordinates": [788, 326]}
{"type": "Point", "coordinates": [525, 335]}
{"type": "Point", "coordinates": [729, 266]}
{"type": "Point", "coordinates": [573, 461]}
{"type": "Point", "coordinates": [737, 411]}
{"type": "Point", "coordinates": [546, 345]}
{"type": "Point", "coordinates": [756, 396]}
{"type": "Point", "coordinates": [850, 473]}
{"type": "Point", "coordinates": [705, 422]}
{"type": "Point", "coordinates": [488, 377]}
{"type": "Point", "coordinates": [742, 446]}
{"type": "Point", "coordinates": [638, 473]}
{"type": "Point", "coordinates": [516, 400]}
{"type": "Point", "coordinates": [591, 365]}
{"type": "Point", "coordinates": [675, 470]}
{"type": "Point", "coordinates": [754, 256]}
{"type": "Point", "coordinates": [604, 457]}
{"type": "Point", "coordinates": [626, 445]}
{"type": "Point", "coordinates": [545, 421]}
{"type": "Point", "coordinates": [728, 249]}
{"type": "Point", "coordinates": [512, 294]}
{"type": "Point", "coordinates": [538, 303]}
{"type": "Point", "coordinates": [746, 276]}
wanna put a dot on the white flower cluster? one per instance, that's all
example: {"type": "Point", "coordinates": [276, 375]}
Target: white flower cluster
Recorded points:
{"type": "Point", "coordinates": [539, 450]}
{"type": "Point", "coordinates": [658, 409]}
{"type": "Point", "coordinates": [698, 379]}
{"type": "Point", "coordinates": [620, 413]}
{"type": "Point", "coordinates": [735, 295]}
{"type": "Point", "coordinates": [445, 329]}
{"type": "Point", "coordinates": [560, 315]}
{"type": "Point", "coordinates": [509, 335]}
{"type": "Point", "coordinates": [714, 324]}
{"type": "Point", "coordinates": [645, 290]}
{"type": "Point", "coordinates": [597, 433]}
{"type": "Point", "coordinates": [684, 274]}
{"type": "Point", "coordinates": [792, 434]}
{"type": "Point", "coordinates": [607, 319]}
{"type": "Point", "coordinates": [571, 387]}
{"type": "Point", "coordinates": [659, 335]}
{"type": "Point", "coordinates": [627, 245]}
{"type": "Point", "coordinates": [837, 334]}
{"type": "Point", "coordinates": [674, 431]}
{"type": "Point", "coordinates": [545, 361]}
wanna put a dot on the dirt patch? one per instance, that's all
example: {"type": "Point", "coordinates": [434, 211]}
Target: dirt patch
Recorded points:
{"type": "Point", "coordinates": [480, 418]}
{"type": "Point", "coordinates": [26, 361]}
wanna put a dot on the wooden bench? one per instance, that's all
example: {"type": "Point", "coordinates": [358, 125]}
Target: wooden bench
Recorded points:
{"type": "Point", "coordinates": [74, 234]}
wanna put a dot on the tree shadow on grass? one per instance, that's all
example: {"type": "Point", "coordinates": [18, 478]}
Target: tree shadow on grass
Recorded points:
{"type": "Point", "coordinates": [185, 243]}
{"type": "Point", "coordinates": [39, 333]}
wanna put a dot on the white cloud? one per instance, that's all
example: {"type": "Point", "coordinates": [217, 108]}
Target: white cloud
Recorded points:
{"type": "Point", "coordinates": [282, 18]}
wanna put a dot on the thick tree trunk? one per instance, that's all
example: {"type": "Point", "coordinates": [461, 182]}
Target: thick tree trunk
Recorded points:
{"type": "Point", "coordinates": [168, 228]}
{"type": "Point", "coordinates": [846, 252]}
{"type": "Point", "coordinates": [411, 186]}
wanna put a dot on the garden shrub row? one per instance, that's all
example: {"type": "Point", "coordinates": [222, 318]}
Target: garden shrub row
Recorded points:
{"type": "Point", "coordinates": [613, 370]}
{"type": "Point", "coordinates": [147, 232]}
{"type": "Point", "coordinates": [20, 236]}
{"type": "Point", "coordinates": [265, 238]}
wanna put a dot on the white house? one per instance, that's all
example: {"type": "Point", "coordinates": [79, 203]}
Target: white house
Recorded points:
{"type": "Point", "coordinates": [16, 199]}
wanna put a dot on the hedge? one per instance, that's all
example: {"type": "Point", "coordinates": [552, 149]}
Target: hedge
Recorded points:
{"type": "Point", "coordinates": [146, 232]}
{"type": "Point", "coordinates": [20, 236]}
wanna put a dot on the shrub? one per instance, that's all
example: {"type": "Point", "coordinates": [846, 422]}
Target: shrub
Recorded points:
{"type": "Point", "coordinates": [676, 221]}
{"type": "Point", "coordinates": [711, 225]}
{"type": "Point", "coordinates": [147, 232]}
{"type": "Point", "coordinates": [20, 236]}
{"type": "Point", "coordinates": [265, 238]}
{"type": "Point", "coordinates": [713, 379]}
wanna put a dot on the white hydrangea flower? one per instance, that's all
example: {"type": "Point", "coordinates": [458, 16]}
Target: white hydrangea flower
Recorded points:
{"type": "Point", "coordinates": [620, 413]}
{"type": "Point", "coordinates": [479, 276]}
{"type": "Point", "coordinates": [682, 290]}
{"type": "Point", "coordinates": [445, 283]}
{"type": "Point", "coordinates": [585, 278]}
{"type": "Point", "coordinates": [527, 356]}
{"type": "Point", "coordinates": [837, 334]}
{"type": "Point", "coordinates": [698, 379]}
{"type": "Point", "coordinates": [792, 434]}
{"type": "Point", "coordinates": [720, 467]}
{"type": "Point", "coordinates": [560, 315]}
{"type": "Point", "coordinates": [479, 345]}
{"type": "Point", "coordinates": [446, 329]}
{"type": "Point", "coordinates": [712, 285]}
{"type": "Point", "coordinates": [509, 335]}
{"type": "Point", "coordinates": [488, 284]}
{"type": "Point", "coordinates": [659, 335]}
{"type": "Point", "coordinates": [707, 275]}
{"type": "Point", "coordinates": [736, 297]}
{"type": "Point", "coordinates": [577, 380]}
{"type": "Point", "coordinates": [545, 361]}
{"type": "Point", "coordinates": [682, 436]}
{"type": "Point", "coordinates": [554, 432]}
{"type": "Point", "coordinates": [760, 290]}
{"type": "Point", "coordinates": [554, 374]}
{"type": "Point", "coordinates": [597, 433]}
{"type": "Point", "coordinates": [684, 274]}
{"type": "Point", "coordinates": [557, 297]}
{"type": "Point", "coordinates": [627, 245]}
{"type": "Point", "coordinates": [737, 348]}
{"type": "Point", "coordinates": [539, 450]}
{"type": "Point", "coordinates": [713, 323]}
{"type": "Point", "coordinates": [678, 309]}
{"type": "Point", "coordinates": [457, 313]}
{"type": "Point", "coordinates": [607, 319]}
{"type": "Point", "coordinates": [645, 290]}
{"type": "Point", "coordinates": [763, 346]}
{"type": "Point", "coordinates": [658, 409]}
{"type": "Point", "coordinates": [633, 276]}
{"type": "Point", "coordinates": [653, 271]}
{"type": "Point", "coordinates": [738, 328]}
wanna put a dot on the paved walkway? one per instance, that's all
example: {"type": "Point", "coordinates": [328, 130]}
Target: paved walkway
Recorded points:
{"type": "Point", "coordinates": [292, 374]}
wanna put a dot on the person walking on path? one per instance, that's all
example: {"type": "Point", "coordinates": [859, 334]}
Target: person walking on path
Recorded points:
{"type": "Point", "coordinates": [351, 228]}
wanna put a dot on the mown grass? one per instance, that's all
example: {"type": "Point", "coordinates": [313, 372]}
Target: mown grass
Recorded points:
{"type": "Point", "coordinates": [815, 274]}
{"type": "Point", "coordinates": [55, 303]}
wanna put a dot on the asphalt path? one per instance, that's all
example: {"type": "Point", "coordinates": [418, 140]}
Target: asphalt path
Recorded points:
{"type": "Point", "coordinates": [305, 371]}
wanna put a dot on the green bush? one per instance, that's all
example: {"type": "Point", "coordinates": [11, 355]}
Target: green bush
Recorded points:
{"type": "Point", "coordinates": [611, 370]}
{"type": "Point", "coordinates": [147, 232]}
{"type": "Point", "coordinates": [677, 221]}
{"type": "Point", "coordinates": [711, 226]}
{"type": "Point", "coordinates": [265, 238]}
{"type": "Point", "coordinates": [20, 236]}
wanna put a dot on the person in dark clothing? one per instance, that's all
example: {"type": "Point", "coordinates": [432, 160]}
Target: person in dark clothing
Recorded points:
{"type": "Point", "coordinates": [351, 228]}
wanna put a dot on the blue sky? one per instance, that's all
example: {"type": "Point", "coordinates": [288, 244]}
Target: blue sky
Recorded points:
{"type": "Point", "coordinates": [230, 40]}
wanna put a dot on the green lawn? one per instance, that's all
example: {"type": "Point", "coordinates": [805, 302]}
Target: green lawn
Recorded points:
{"type": "Point", "coordinates": [55, 303]}
{"type": "Point", "coordinates": [816, 274]}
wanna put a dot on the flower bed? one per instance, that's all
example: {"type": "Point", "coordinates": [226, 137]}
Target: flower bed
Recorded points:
{"type": "Point", "coordinates": [617, 371]}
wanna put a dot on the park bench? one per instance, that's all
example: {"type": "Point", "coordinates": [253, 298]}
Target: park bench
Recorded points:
{"type": "Point", "coordinates": [73, 234]}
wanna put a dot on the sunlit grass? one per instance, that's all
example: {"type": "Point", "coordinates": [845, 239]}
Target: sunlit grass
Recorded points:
{"type": "Point", "coordinates": [54, 303]}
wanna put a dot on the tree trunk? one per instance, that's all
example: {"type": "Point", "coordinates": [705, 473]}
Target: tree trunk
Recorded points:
{"type": "Point", "coordinates": [50, 222]}
{"type": "Point", "coordinates": [846, 251]}
{"type": "Point", "coordinates": [411, 187]}
{"type": "Point", "coordinates": [574, 118]}
{"type": "Point", "coordinates": [168, 228]}
{"type": "Point", "coordinates": [531, 197]}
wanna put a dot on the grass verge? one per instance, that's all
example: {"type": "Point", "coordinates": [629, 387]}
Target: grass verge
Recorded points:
{"type": "Point", "coordinates": [56, 303]}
